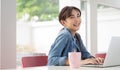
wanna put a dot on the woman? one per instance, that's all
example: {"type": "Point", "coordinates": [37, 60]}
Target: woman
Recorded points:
{"type": "Point", "coordinates": [69, 40]}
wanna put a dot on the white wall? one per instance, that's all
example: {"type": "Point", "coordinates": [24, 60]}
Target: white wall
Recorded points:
{"type": "Point", "coordinates": [8, 34]}
{"type": "Point", "coordinates": [112, 3]}
{"type": "Point", "coordinates": [0, 34]}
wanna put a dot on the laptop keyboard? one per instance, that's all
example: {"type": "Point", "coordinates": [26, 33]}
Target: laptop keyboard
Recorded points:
{"type": "Point", "coordinates": [93, 65]}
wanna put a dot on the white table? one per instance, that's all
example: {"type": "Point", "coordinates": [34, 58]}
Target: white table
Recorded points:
{"type": "Point", "coordinates": [65, 68]}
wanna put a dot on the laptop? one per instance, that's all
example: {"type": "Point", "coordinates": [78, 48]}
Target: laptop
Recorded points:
{"type": "Point", "coordinates": [113, 55]}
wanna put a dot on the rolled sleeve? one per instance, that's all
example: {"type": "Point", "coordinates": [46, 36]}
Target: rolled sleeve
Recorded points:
{"type": "Point", "coordinates": [62, 61]}
{"type": "Point", "coordinates": [85, 53]}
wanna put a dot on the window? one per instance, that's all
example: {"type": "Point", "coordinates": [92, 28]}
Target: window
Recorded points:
{"type": "Point", "coordinates": [108, 26]}
{"type": "Point", "coordinates": [35, 18]}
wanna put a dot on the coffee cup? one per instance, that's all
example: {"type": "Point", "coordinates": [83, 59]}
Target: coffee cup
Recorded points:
{"type": "Point", "coordinates": [74, 59]}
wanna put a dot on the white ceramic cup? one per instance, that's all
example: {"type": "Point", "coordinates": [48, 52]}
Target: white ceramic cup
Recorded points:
{"type": "Point", "coordinates": [74, 59]}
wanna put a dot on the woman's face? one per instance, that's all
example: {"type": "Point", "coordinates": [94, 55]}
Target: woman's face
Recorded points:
{"type": "Point", "coordinates": [73, 22]}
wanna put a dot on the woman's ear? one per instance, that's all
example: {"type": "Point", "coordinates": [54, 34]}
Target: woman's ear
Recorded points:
{"type": "Point", "coordinates": [62, 22]}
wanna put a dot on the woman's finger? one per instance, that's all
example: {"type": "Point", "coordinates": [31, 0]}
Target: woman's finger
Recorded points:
{"type": "Point", "coordinates": [100, 60]}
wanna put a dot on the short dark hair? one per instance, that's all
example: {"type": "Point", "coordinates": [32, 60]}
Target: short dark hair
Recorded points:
{"type": "Point", "coordinates": [66, 12]}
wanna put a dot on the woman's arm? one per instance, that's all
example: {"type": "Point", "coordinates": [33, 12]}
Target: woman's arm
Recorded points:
{"type": "Point", "coordinates": [84, 52]}
{"type": "Point", "coordinates": [54, 57]}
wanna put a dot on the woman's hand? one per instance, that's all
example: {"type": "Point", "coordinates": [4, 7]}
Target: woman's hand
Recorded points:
{"type": "Point", "coordinates": [99, 60]}
{"type": "Point", "coordinates": [92, 61]}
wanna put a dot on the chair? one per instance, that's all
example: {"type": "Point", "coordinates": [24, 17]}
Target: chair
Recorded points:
{"type": "Point", "coordinates": [101, 55]}
{"type": "Point", "coordinates": [32, 61]}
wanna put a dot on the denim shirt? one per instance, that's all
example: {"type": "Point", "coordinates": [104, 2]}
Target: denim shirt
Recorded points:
{"type": "Point", "coordinates": [64, 44]}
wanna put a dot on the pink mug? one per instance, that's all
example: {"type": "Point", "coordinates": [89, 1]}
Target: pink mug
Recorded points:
{"type": "Point", "coordinates": [74, 59]}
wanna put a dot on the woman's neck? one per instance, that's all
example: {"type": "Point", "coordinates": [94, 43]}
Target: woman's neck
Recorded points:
{"type": "Point", "coordinates": [73, 33]}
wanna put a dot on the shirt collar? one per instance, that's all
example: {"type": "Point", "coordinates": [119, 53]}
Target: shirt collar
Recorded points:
{"type": "Point", "coordinates": [69, 32]}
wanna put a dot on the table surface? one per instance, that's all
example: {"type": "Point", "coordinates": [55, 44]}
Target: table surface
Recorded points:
{"type": "Point", "coordinates": [65, 68]}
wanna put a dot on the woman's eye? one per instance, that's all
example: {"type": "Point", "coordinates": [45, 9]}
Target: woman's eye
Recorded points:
{"type": "Point", "coordinates": [72, 17]}
{"type": "Point", "coordinates": [78, 15]}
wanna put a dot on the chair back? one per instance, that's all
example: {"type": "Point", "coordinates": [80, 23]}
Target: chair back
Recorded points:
{"type": "Point", "coordinates": [101, 55]}
{"type": "Point", "coordinates": [32, 61]}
